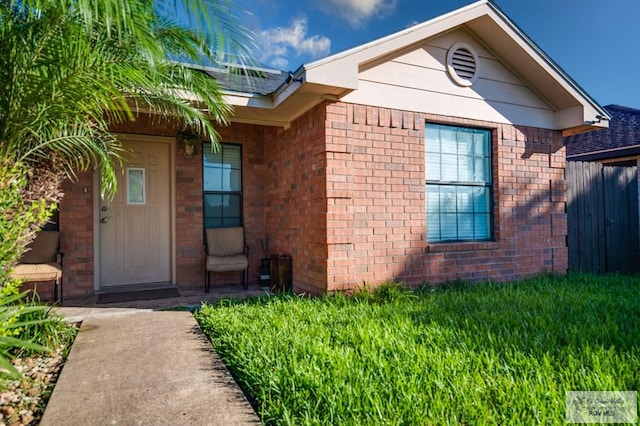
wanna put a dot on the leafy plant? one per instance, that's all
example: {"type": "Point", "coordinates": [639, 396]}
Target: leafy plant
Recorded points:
{"type": "Point", "coordinates": [12, 325]}
{"type": "Point", "coordinates": [28, 327]}
{"type": "Point", "coordinates": [19, 221]}
{"type": "Point", "coordinates": [70, 69]}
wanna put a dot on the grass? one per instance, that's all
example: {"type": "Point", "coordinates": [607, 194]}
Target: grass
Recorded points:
{"type": "Point", "coordinates": [460, 354]}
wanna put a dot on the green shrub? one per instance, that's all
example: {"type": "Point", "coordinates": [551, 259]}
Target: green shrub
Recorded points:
{"type": "Point", "coordinates": [19, 219]}
{"type": "Point", "coordinates": [22, 326]}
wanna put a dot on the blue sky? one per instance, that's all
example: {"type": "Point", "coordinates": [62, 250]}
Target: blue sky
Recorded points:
{"type": "Point", "coordinates": [597, 42]}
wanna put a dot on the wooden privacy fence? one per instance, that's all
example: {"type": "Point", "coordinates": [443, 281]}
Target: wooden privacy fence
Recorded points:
{"type": "Point", "coordinates": [603, 218]}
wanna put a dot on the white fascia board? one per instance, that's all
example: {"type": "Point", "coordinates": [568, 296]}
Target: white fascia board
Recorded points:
{"type": "Point", "coordinates": [341, 69]}
{"type": "Point", "coordinates": [581, 115]}
{"type": "Point", "coordinates": [589, 106]}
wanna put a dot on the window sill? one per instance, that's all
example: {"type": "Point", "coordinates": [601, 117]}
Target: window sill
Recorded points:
{"type": "Point", "coordinates": [467, 246]}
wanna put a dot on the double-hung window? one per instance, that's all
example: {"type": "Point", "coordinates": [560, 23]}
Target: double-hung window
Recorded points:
{"type": "Point", "coordinates": [222, 186]}
{"type": "Point", "coordinates": [458, 183]}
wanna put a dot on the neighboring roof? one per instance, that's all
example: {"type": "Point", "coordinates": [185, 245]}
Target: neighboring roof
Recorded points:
{"type": "Point", "coordinates": [622, 138]}
{"type": "Point", "coordinates": [337, 75]}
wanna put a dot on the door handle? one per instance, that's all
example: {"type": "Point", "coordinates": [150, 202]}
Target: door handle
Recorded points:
{"type": "Point", "coordinates": [104, 220]}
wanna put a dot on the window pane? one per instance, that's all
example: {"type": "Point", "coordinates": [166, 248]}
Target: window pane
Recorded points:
{"type": "Point", "coordinates": [211, 158]}
{"type": "Point", "coordinates": [433, 199]}
{"type": "Point", "coordinates": [222, 184]}
{"type": "Point", "coordinates": [135, 186]}
{"type": "Point", "coordinates": [212, 178]}
{"type": "Point", "coordinates": [232, 156]}
{"type": "Point", "coordinates": [481, 200]}
{"type": "Point", "coordinates": [456, 157]}
{"type": "Point", "coordinates": [465, 226]}
{"type": "Point", "coordinates": [465, 169]}
{"type": "Point", "coordinates": [465, 141]}
{"type": "Point", "coordinates": [448, 199]}
{"type": "Point", "coordinates": [481, 143]}
{"type": "Point", "coordinates": [482, 170]}
{"type": "Point", "coordinates": [482, 226]}
{"type": "Point", "coordinates": [231, 205]}
{"type": "Point", "coordinates": [433, 227]}
{"type": "Point", "coordinates": [213, 205]}
{"type": "Point", "coordinates": [235, 180]}
{"type": "Point", "coordinates": [432, 136]}
{"type": "Point", "coordinates": [226, 178]}
{"type": "Point", "coordinates": [465, 199]}
{"type": "Point", "coordinates": [449, 168]}
{"type": "Point", "coordinates": [448, 140]}
{"type": "Point", "coordinates": [433, 166]}
{"type": "Point", "coordinates": [448, 227]}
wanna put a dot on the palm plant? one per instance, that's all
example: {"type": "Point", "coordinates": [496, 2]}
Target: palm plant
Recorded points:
{"type": "Point", "coordinates": [70, 68]}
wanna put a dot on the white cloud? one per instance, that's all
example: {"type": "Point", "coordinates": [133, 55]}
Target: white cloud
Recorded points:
{"type": "Point", "coordinates": [281, 42]}
{"type": "Point", "coordinates": [357, 12]}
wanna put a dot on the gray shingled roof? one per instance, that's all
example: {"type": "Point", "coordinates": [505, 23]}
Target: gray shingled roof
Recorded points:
{"type": "Point", "coordinates": [249, 80]}
{"type": "Point", "coordinates": [623, 132]}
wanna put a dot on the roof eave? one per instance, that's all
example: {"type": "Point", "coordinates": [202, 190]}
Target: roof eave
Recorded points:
{"type": "Point", "coordinates": [342, 69]}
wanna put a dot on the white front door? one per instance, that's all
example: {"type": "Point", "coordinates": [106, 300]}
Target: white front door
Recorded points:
{"type": "Point", "coordinates": [135, 229]}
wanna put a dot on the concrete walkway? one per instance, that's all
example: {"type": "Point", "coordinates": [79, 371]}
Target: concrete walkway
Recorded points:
{"type": "Point", "coordinates": [144, 367]}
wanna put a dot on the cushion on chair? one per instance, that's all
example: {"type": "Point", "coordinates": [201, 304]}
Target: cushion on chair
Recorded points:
{"type": "Point", "coordinates": [227, 263]}
{"type": "Point", "coordinates": [37, 272]}
{"type": "Point", "coordinates": [43, 249]}
{"type": "Point", "coordinates": [225, 241]}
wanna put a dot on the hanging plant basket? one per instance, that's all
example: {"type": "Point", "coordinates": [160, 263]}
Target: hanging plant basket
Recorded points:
{"type": "Point", "coordinates": [189, 140]}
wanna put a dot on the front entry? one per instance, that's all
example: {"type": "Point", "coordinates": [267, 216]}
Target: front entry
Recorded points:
{"type": "Point", "coordinates": [135, 229]}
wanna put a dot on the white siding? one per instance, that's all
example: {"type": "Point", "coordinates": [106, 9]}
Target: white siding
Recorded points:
{"type": "Point", "coordinates": [418, 81]}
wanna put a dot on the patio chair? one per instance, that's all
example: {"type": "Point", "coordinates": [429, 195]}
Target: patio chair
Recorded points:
{"type": "Point", "coordinates": [42, 262]}
{"type": "Point", "coordinates": [227, 251]}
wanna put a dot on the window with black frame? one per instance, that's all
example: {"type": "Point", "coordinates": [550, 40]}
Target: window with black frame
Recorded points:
{"type": "Point", "coordinates": [458, 183]}
{"type": "Point", "coordinates": [222, 186]}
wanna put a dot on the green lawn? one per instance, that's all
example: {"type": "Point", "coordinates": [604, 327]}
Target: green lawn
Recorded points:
{"type": "Point", "coordinates": [475, 354]}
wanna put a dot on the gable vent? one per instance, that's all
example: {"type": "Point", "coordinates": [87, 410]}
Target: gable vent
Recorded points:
{"type": "Point", "coordinates": [462, 64]}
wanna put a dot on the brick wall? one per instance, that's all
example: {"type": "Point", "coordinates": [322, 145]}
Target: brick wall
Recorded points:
{"type": "Point", "coordinates": [76, 210]}
{"type": "Point", "coordinates": [296, 197]}
{"type": "Point", "coordinates": [342, 191]}
{"type": "Point", "coordinates": [76, 236]}
{"type": "Point", "coordinates": [376, 205]}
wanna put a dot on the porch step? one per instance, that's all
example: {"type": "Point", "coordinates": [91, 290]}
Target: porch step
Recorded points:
{"type": "Point", "coordinates": [137, 294]}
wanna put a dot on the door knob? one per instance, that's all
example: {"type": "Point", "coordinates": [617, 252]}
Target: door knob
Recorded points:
{"type": "Point", "coordinates": [104, 220]}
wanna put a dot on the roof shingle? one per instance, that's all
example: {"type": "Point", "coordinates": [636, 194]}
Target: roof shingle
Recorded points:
{"type": "Point", "coordinates": [623, 132]}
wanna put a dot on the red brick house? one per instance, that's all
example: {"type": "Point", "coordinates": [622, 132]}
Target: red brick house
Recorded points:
{"type": "Point", "coordinates": [428, 155]}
